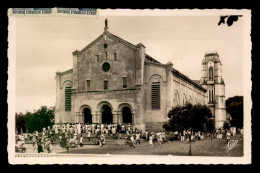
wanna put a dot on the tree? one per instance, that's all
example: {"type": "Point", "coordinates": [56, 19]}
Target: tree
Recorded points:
{"type": "Point", "coordinates": [188, 116]}
{"type": "Point", "coordinates": [41, 118]}
{"type": "Point", "coordinates": [226, 125]}
{"type": "Point", "coordinates": [20, 122]}
{"type": "Point", "coordinates": [210, 126]}
{"type": "Point", "coordinates": [234, 106]}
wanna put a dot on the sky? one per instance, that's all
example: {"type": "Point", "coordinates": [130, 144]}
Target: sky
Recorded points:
{"type": "Point", "coordinates": [44, 45]}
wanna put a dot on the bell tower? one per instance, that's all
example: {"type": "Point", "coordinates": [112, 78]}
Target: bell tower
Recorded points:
{"type": "Point", "coordinates": [211, 79]}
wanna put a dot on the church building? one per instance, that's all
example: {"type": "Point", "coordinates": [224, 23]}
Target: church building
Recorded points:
{"type": "Point", "coordinates": [114, 81]}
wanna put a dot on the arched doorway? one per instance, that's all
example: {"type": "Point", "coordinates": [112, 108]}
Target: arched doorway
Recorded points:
{"type": "Point", "coordinates": [87, 115]}
{"type": "Point", "coordinates": [107, 116]}
{"type": "Point", "coordinates": [127, 115]}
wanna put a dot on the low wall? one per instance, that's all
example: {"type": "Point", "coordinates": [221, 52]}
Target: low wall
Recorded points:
{"type": "Point", "coordinates": [154, 126]}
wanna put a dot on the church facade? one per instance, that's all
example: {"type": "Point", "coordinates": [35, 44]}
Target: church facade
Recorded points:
{"type": "Point", "coordinates": [114, 81]}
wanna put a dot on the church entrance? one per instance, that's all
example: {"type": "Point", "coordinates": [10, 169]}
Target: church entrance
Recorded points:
{"type": "Point", "coordinates": [107, 116]}
{"type": "Point", "coordinates": [87, 116]}
{"type": "Point", "coordinates": [127, 115]}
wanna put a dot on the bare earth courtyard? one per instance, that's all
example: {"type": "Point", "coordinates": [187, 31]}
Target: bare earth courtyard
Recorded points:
{"type": "Point", "coordinates": [206, 147]}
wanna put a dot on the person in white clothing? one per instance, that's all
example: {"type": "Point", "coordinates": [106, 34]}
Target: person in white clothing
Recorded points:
{"type": "Point", "coordinates": [81, 141]}
{"type": "Point", "coordinates": [158, 137]}
{"type": "Point", "coordinates": [88, 135]}
{"type": "Point", "coordinates": [146, 135]}
{"type": "Point", "coordinates": [137, 138]}
{"type": "Point", "coordinates": [151, 141]}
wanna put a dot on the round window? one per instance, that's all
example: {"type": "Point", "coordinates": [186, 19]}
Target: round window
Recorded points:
{"type": "Point", "coordinates": [106, 67]}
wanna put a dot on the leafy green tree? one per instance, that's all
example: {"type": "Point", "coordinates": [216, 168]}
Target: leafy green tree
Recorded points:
{"type": "Point", "coordinates": [226, 125]}
{"type": "Point", "coordinates": [39, 119]}
{"type": "Point", "coordinates": [234, 106]}
{"type": "Point", "coordinates": [20, 122]}
{"type": "Point", "coordinates": [188, 116]}
{"type": "Point", "coordinates": [210, 127]}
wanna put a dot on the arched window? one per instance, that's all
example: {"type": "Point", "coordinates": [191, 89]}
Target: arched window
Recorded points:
{"type": "Point", "coordinates": [124, 82]}
{"type": "Point", "coordinates": [176, 98]}
{"type": "Point", "coordinates": [210, 73]}
{"type": "Point", "coordinates": [115, 56]}
{"type": "Point", "coordinates": [184, 99]}
{"type": "Point", "coordinates": [97, 57]}
{"type": "Point", "coordinates": [105, 84]}
{"type": "Point", "coordinates": [211, 95]}
{"type": "Point", "coordinates": [88, 85]}
{"type": "Point", "coordinates": [190, 99]}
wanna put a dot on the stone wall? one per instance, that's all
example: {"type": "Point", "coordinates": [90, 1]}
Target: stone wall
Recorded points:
{"type": "Point", "coordinates": [154, 126]}
{"type": "Point", "coordinates": [90, 68]}
{"type": "Point", "coordinates": [61, 80]}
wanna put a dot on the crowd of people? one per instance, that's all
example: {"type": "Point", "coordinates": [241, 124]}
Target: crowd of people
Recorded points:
{"type": "Point", "coordinates": [72, 135]}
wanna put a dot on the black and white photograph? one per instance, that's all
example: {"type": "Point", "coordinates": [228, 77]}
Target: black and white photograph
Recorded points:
{"type": "Point", "coordinates": [92, 86]}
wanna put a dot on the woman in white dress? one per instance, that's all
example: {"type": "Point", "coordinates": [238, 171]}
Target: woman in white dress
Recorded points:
{"type": "Point", "coordinates": [81, 141]}
{"type": "Point", "coordinates": [151, 141]}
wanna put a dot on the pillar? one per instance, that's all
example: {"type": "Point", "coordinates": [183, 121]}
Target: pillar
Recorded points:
{"type": "Point", "coordinates": [98, 117]}
{"type": "Point", "coordinates": [120, 117]}
{"type": "Point", "coordinates": [115, 117]}
{"type": "Point", "coordinates": [133, 118]}
{"type": "Point", "coordinates": [94, 117]}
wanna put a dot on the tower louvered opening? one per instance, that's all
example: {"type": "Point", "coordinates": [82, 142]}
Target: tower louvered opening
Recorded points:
{"type": "Point", "coordinates": [68, 92]}
{"type": "Point", "coordinates": [156, 95]}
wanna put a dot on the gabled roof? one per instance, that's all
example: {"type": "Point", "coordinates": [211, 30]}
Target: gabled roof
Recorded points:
{"type": "Point", "coordinates": [112, 36]}
{"type": "Point", "coordinates": [188, 79]}
{"type": "Point", "coordinates": [89, 45]}
{"type": "Point", "coordinates": [121, 40]}
{"type": "Point", "coordinates": [150, 59]}
{"type": "Point", "coordinates": [126, 43]}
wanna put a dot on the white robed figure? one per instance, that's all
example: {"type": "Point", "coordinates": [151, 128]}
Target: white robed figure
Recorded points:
{"type": "Point", "coordinates": [56, 129]}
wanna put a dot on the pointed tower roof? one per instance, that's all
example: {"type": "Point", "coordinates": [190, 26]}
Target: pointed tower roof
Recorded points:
{"type": "Point", "coordinates": [211, 56]}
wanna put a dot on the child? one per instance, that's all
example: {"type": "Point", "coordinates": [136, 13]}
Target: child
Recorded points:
{"type": "Point", "coordinates": [88, 135]}
{"type": "Point", "coordinates": [202, 136]}
{"type": "Point", "coordinates": [131, 142]}
{"type": "Point", "coordinates": [102, 140]}
{"type": "Point", "coordinates": [158, 137]}
{"type": "Point", "coordinates": [192, 138]}
{"type": "Point", "coordinates": [228, 136]}
{"type": "Point", "coordinates": [146, 135]}
{"type": "Point", "coordinates": [151, 141]}
{"type": "Point", "coordinates": [34, 141]}
{"type": "Point", "coordinates": [81, 141]}
{"type": "Point", "coordinates": [138, 138]}
{"type": "Point", "coordinates": [48, 146]}
{"type": "Point", "coordinates": [35, 146]}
